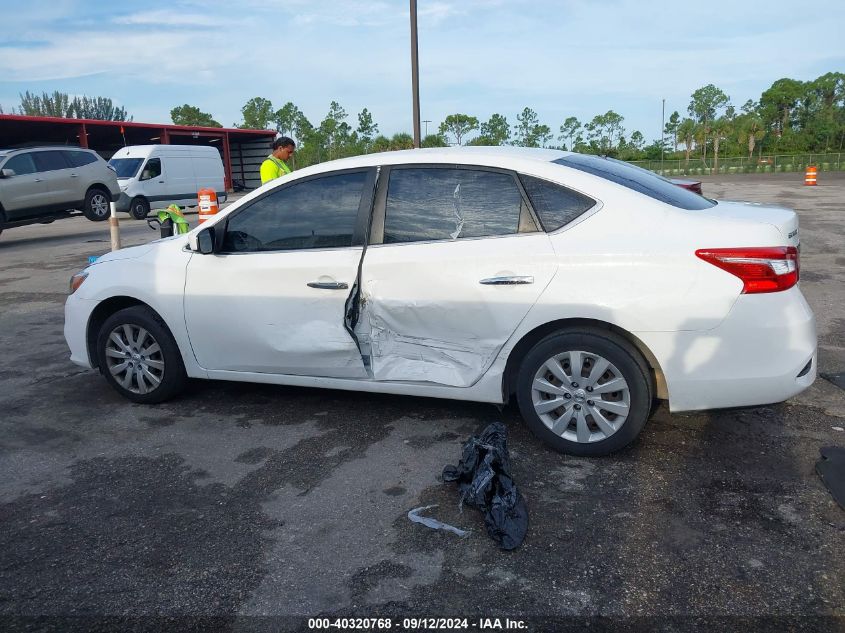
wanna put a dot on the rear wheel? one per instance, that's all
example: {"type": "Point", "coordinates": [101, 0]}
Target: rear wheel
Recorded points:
{"type": "Point", "coordinates": [584, 392]}
{"type": "Point", "coordinates": [139, 356]}
{"type": "Point", "coordinates": [96, 207]}
{"type": "Point", "coordinates": [139, 208]}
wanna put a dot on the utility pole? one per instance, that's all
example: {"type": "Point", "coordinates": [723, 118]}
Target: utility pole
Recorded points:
{"type": "Point", "coordinates": [415, 73]}
{"type": "Point", "coordinates": [426, 121]}
{"type": "Point", "coordinates": [662, 135]}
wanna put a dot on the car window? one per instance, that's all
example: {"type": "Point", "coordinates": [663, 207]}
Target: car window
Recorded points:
{"type": "Point", "coordinates": [152, 169]}
{"type": "Point", "coordinates": [556, 205]}
{"type": "Point", "coordinates": [21, 164]}
{"type": "Point", "coordinates": [80, 159]}
{"type": "Point", "coordinates": [50, 161]}
{"type": "Point", "coordinates": [638, 179]}
{"type": "Point", "coordinates": [318, 213]}
{"type": "Point", "coordinates": [448, 204]}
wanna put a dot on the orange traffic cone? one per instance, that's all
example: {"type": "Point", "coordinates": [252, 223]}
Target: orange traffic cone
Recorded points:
{"type": "Point", "coordinates": [810, 176]}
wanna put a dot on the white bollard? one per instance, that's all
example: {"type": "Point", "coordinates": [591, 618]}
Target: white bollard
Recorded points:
{"type": "Point", "coordinates": [114, 228]}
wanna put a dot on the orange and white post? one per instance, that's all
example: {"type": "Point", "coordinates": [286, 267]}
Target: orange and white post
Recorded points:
{"type": "Point", "coordinates": [810, 176]}
{"type": "Point", "coordinates": [114, 227]}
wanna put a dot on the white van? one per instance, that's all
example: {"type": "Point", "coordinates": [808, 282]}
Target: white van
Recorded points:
{"type": "Point", "coordinates": [155, 176]}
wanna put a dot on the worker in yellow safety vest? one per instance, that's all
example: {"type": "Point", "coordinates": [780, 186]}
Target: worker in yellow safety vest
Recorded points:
{"type": "Point", "coordinates": [274, 165]}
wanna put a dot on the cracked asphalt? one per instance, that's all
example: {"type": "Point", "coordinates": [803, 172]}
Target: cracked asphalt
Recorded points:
{"type": "Point", "coordinates": [251, 507]}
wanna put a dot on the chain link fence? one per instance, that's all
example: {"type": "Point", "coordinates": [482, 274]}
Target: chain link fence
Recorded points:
{"type": "Point", "coordinates": [743, 165]}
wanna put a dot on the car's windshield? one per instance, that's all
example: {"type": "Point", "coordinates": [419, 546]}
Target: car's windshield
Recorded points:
{"type": "Point", "coordinates": [125, 167]}
{"type": "Point", "coordinates": [638, 179]}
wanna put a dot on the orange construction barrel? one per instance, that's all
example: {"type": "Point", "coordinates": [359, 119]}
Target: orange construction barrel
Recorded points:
{"type": "Point", "coordinates": [208, 206]}
{"type": "Point", "coordinates": [810, 175]}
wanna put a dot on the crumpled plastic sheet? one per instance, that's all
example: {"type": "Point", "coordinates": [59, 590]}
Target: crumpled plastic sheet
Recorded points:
{"type": "Point", "coordinates": [434, 524]}
{"type": "Point", "coordinates": [484, 480]}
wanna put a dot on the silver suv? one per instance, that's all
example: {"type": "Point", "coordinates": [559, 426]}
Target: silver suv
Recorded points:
{"type": "Point", "coordinates": [41, 184]}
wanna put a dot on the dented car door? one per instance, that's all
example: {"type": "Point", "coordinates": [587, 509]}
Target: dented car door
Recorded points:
{"type": "Point", "coordinates": [455, 262]}
{"type": "Point", "coordinates": [273, 296]}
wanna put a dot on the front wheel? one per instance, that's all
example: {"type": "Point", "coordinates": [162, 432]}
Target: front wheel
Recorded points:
{"type": "Point", "coordinates": [139, 356]}
{"type": "Point", "coordinates": [584, 392]}
{"type": "Point", "coordinates": [139, 208]}
{"type": "Point", "coordinates": [96, 207]}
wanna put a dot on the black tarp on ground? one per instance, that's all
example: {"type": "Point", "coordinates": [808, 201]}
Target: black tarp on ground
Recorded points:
{"type": "Point", "coordinates": [484, 480]}
{"type": "Point", "coordinates": [831, 468]}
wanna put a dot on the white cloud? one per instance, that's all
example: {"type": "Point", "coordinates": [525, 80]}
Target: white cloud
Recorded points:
{"type": "Point", "coordinates": [165, 18]}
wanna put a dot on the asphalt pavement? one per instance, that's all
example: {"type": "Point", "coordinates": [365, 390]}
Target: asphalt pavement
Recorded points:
{"type": "Point", "coordinates": [251, 507]}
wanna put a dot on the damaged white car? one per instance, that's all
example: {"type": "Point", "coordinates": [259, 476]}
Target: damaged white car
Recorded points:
{"type": "Point", "coordinates": [583, 287]}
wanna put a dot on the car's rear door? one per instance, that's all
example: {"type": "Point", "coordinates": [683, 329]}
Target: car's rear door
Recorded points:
{"type": "Point", "coordinates": [55, 170]}
{"type": "Point", "coordinates": [456, 260]}
{"type": "Point", "coordinates": [273, 299]}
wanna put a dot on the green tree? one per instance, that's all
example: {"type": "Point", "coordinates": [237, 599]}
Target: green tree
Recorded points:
{"type": "Point", "coordinates": [458, 125]}
{"type": "Point", "coordinates": [401, 140]}
{"type": "Point", "coordinates": [528, 131]}
{"type": "Point", "coordinates": [569, 130]}
{"type": "Point", "coordinates": [686, 135]}
{"type": "Point", "coordinates": [257, 113]}
{"type": "Point", "coordinates": [286, 119]}
{"type": "Point", "coordinates": [543, 134]}
{"type": "Point", "coordinates": [605, 131]}
{"type": "Point", "coordinates": [778, 103]}
{"type": "Point", "coordinates": [192, 115]}
{"type": "Point", "coordinates": [382, 144]}
{"type": "Point", "coordinates": [367, 129]}
{"type": "Point", "coordinates": [720, 129]}
{"type": "Point", "coordinates": [59, 104]}
{"type": "Point", "coordinates": [335, 130]}
{"type": "Point", "coordinates": [436, 140]}
{"type": "Point", "coordinates": [750, 130]}
{"type": "Point", "coordinates": [637, 140]}
{"type": "Point", "coordinates": [671, 128]}
{"type": "Point", "coordinates": [496, 131]}
{"type": "Point", "coordinates": [704, 106]}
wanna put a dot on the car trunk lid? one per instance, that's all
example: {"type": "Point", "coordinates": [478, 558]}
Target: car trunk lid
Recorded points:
{"type": "Point", "coordinates": [783, 219]}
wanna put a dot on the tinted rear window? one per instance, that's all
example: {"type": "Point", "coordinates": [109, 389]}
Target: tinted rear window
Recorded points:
{"type": "Point", "coordinates": [50, 161]}
{"type": "Point", "coordinates": [640, 180]}
{"type": "Point", "coordinates": [80, 159]}
{"type": "Point", "coordinates": [555, 205]}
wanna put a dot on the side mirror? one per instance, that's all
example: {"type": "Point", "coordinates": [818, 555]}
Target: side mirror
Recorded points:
{"type": "Point", "coordinates": [203, 242]}
{"type": "Point", "coordinates": [7, 173]}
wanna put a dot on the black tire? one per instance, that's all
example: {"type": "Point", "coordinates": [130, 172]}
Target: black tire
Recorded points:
{"type": "Point", "coordinates": [96, 206]}
{"type": "Point", "coordinates": [615, 431]}
{"type": "Point", "coordinates": [164, 364]}
{"type": "Point", "coordinates": [139, 208]}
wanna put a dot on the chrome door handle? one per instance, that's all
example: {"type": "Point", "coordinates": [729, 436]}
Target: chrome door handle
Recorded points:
{"type": "Point", "coordinates": [38, 180]}
{"type": "Point", "coordinates": [508, 281]}
{"type": "Point", "coordinates": [74, 176]}
{"type": "Point", "coordinates": [329, 285]}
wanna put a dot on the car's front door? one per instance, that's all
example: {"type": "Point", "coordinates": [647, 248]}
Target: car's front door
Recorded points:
{"type": "Point", "coordinates": [273, 299]}
{"type": "Point", "coordinates": [457, 259]}
{"type": "Point", "coordinates": [24, 193]}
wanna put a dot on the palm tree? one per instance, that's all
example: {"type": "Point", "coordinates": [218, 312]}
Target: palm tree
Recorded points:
{"type": "Point", "coordinates": [751, 130]}
{"type": "Point", "coordinates": [719, 128]}
{"type": "Point", "coordinates": [686, 135]}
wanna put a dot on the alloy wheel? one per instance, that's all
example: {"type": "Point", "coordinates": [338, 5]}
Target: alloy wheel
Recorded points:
{"type": "Point", "coordinates": [581, 396]}
{"type": "Point", "coordinates": [134, 359]}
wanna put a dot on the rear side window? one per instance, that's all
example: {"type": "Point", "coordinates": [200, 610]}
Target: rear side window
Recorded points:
{"type": "Point", "coordinates": [448, 204]}
{"type": "Point", "coordinates": [50, 161]}
{"type": "Point", "coordinates": [80, 159]}
{"type": "Point", "coordinates": [21, 164]}
{"type": "Point", "coordinates": [556, 205]}
{"type": "Point", "coordinates": [640, 180]}
{"type": "Point", "coordinates": [318, 213]}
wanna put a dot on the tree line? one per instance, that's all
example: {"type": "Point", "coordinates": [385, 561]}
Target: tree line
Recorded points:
{"type": "Point", "coordinates": [790, 116]}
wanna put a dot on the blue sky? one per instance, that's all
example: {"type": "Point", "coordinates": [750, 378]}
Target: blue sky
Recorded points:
{"type": "Point", "coordinates": [561, 58]}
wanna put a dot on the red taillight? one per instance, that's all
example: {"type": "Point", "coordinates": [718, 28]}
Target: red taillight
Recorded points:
{"type": "Point", "coordinates": [762, 269]}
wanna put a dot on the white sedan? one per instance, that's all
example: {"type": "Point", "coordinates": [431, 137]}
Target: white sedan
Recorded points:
{"type": "Point", "coordinates": [583, 287]}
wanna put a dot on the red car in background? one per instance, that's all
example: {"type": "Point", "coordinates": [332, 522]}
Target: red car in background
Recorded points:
{"type": "Point", "coordinates": [692, 185]}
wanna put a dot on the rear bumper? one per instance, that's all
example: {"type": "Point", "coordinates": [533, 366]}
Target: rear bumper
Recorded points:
{"type": "Point", "coordinates": [121, 202]}
{"type": "Point", "coordinates": [758, 355]}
